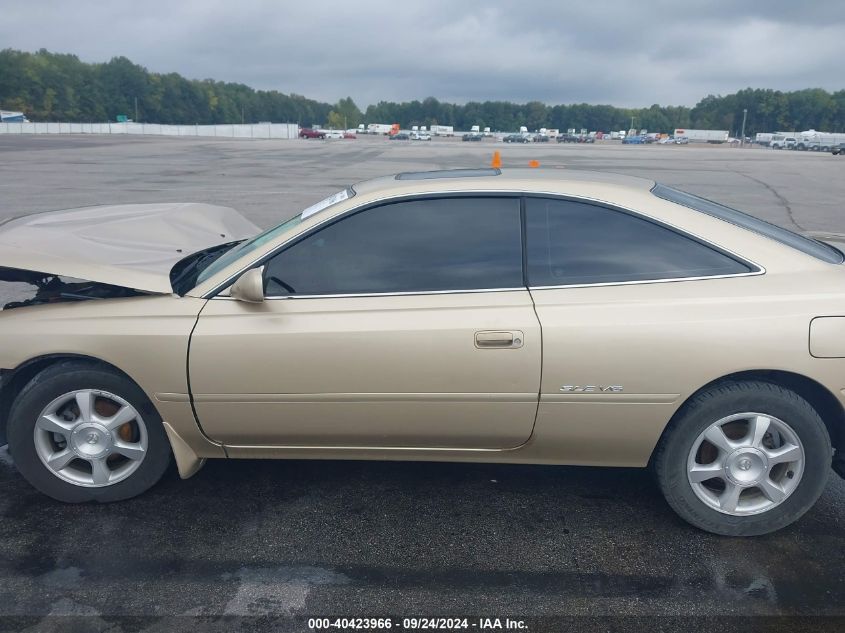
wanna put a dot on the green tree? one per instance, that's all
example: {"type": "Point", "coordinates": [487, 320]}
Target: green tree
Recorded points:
{"type": "Point", "coordinates": [349, 112]}
{"type": "Point", "coordinates": [335, 120]}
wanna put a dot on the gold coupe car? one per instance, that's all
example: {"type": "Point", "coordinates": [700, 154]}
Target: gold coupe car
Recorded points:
{"type": "Point", "coordinates": [545, 317]}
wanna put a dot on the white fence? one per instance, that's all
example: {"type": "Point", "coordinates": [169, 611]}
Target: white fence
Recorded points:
{"type": "Point", "coordinates": [256, 130]}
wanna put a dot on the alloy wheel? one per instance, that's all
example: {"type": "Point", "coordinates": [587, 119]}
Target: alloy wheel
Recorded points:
{"type": "Point", "coordinates": [745, 464]}
{"type": "Point", "coordinates": [91, 438]}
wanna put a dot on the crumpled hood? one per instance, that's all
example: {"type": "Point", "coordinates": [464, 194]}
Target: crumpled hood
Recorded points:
{"type": "Point", "coordinates": [129, 245]}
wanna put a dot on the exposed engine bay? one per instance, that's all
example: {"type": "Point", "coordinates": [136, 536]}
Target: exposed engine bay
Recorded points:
{"type": "Point", "coordinates": [55, 289]}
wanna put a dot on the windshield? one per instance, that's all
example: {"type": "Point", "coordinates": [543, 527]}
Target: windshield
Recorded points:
{"type": "Point", "coordinates": [247, 247]}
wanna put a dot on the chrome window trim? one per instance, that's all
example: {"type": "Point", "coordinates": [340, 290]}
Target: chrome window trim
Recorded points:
{"type": "Point", "coordinates": [385, 294]}
{"type": "Point", "coordinates": [754, 273]}
{"type": "Point", "coordinates": [503, 192]}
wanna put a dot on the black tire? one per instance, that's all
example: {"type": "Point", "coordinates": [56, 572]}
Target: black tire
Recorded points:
{"type": "Point", "coordinates": [670, 458]}
{"type": "Point", "coordinates": [65, 377]}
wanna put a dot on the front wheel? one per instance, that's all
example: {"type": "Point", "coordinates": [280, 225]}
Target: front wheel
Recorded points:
{"type": "Point", "coordinates": [79, 432]}
{"type": "Point", "coordinates": [743, 459]}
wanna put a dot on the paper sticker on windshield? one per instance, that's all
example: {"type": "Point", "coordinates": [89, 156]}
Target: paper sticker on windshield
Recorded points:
{"type": "Point", "coordinates": [340, 196]}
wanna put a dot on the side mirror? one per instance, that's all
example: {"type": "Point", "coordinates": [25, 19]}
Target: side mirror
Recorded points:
{"type": "Point", "coordinates": [249, 287]}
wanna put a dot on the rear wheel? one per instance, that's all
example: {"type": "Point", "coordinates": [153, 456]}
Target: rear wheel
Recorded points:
{"type": "Point", "coordinates": [79, 432]}
{"type": "Point", "coordinates": [744, 459]}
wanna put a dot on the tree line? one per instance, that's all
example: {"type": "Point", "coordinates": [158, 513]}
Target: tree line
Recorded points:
{"type": "Point", "coordinates": [57, 87]}
{"type": "Point", "coordinates": [60, 87]}
{"type": "Point", "coordinates": [768, 111]}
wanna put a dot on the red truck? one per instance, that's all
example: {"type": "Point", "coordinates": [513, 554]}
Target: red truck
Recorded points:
{"type": "Point", "coordinates": [307, 132]}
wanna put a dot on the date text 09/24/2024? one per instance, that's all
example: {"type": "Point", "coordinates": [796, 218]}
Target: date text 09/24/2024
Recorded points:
{"type": "Point", "coordinates": [414, 624]}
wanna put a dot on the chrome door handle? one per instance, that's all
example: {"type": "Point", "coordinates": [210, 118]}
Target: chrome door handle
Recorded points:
{"type": "Point", "coordinates": [488, 339]}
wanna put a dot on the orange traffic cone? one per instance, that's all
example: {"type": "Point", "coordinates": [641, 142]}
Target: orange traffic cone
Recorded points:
{"type": "Point", "coordinates": [496, 163]}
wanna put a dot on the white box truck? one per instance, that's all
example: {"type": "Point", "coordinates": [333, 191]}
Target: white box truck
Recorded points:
{"type": "Point", "coordinates": [817, 141]}
{"type": "Point", "coordinates": [763, 138]}
{"type": "Point", "coordinates": [702, 136]}
{"type": "Point", "coordinates": [379, 128]}
{"type": "Point", "coordinates": [443, 130]}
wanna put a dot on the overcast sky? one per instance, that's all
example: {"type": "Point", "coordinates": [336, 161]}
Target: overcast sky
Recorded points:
{"type": "Point", "coordinates": [620, 52]}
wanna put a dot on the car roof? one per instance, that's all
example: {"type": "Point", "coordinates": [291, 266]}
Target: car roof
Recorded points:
{"type": "Point", "coordinates": [551, 179]}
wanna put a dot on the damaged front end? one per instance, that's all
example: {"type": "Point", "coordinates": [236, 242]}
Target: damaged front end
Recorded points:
{"type": "Point", "coordinates": [55, 289]}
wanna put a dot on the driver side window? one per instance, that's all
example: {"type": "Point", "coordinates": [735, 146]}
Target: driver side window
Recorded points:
{"type": "Point", "coordinates": [422, 245]}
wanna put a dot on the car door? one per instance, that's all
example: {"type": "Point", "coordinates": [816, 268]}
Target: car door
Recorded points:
{"type": "Point", "coordinates": [622, 347]}
{"type": "Point", "coordinates": [404, 324]}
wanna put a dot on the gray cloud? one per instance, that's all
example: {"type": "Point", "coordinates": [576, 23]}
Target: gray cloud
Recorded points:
{"type": "Point", "coordinates": [618, 52]}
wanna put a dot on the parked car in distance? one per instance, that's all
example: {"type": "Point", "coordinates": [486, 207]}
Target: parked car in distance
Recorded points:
{"type": "Point", "coordinates": [336, 134]}
{"type": "Point", "coordinates": [307, 132]}
{"type": "Point", "coordinates": [681, 140]}
{"type": "Point", "coordinates": [540, 138]}
{"type": "Point", "coordinates": [584, 318]}
{"type": "Point", "coordinates": [782, 142]}
{"type": "Point", "coordinates": [472, 136]}
{"type": "Point", "coordinates": [586, 138]}
{"type": "Point", "coordinates": [516, 138]}
{"type": "Point", "coordinates": [634, 139]}
{"type": "Point", "coordinates": [838, 149]}
{"type": "Point", "coordinates": [420, 136]}
{"type": "Point", "coordinates": [400, 136]}
{"type": "Point", "coordinates": [567, 138]}
{"type": "Point", "coordinates": [666, 140]}
{"type": "Point", "coordinates": [350, 135]}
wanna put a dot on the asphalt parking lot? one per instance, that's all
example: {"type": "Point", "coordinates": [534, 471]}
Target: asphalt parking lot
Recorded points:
{"type": "Point", "coordinates": [258, 539]}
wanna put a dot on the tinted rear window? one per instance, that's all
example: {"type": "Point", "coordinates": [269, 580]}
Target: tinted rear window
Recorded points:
{"type": "Point", "coordinates": [572, 243]}
{"type": "Point", "coordinates": [806, 245]}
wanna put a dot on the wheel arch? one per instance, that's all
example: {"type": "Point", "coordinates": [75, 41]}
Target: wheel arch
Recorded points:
{"type": "Point", "coordinates": [819, 397]}
{"type": "Point", "coordinates": [14, 380]}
